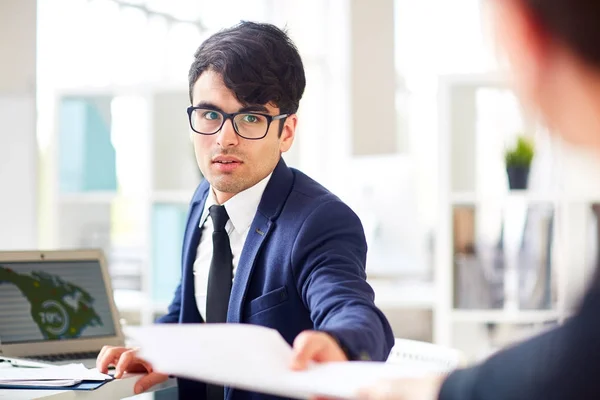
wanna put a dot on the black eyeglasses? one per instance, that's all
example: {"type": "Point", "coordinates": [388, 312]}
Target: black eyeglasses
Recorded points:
{"type": "Point", "coordinates": [249, 125]}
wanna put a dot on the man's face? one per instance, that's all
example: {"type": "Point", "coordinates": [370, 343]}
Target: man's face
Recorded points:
{"type": "Point", "coordinates": [229, 162]}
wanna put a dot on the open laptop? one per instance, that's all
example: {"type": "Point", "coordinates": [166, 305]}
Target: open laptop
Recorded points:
{"type": "Point", "coordinates": [56, 306]}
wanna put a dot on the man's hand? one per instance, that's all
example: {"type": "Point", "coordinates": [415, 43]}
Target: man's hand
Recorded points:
{"type": "Point", "coordinates": [315, 346]}
{"type": "Point", "coordinates": [125, 360]}
{"type": "Point", "coordinates": [427, 388]}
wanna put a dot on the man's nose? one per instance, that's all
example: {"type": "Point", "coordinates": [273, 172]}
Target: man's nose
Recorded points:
{"type": "Point", "coordinates": [227, 137]}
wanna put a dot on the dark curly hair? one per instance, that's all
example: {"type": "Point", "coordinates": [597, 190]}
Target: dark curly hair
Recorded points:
{"type": "Point", "coordinates": [574, 22]}
{"type": "Point", "coordinates": [258, 62]}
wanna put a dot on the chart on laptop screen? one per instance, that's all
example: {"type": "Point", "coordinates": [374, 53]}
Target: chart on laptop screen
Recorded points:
{"type": "Point", "coordinates": [53, 301]}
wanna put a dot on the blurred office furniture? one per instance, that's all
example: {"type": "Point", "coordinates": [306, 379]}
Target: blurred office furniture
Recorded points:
{"type": "Point", "coordinates": [425, 356]}
{"type": "Point", "coordinates": [509, 263]}
{"type": "Point", "coordinates": [125, 172]}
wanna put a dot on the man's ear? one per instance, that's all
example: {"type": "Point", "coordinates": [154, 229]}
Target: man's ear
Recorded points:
{"type": "Point", "coordinates": [288, 133]}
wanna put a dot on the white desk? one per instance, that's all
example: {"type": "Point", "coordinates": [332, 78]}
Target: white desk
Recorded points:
{"type": "Point", "coordinates": [117, 389]}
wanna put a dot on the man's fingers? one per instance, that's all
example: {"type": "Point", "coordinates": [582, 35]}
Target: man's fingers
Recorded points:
{"type": "Point", "coordinates": [306, 346]}
{"type": "Point", "coordinates": [100, 358]}
{"type": "Point", "coordinates": [380, 391]}
{"type": "Point", "coordinates": [102, 351]}
{"type": "Point", "coordinates": [124, 362]}
{"type": "Point", "coordinates": [130, 362]}
{"type": "Point", "coordinates": [315, 346]}
{"type": "Point", "coordinates": [364, 394]}
{"type": "Point", "coordinates": [330, 350]}
{"type": "Point", "coordinates": [147, 381]}
{"type": "Point", "coordinates": [108, 356]}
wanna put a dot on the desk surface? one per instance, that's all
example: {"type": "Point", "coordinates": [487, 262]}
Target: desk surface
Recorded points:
{"type": "Point", "coordinates": [117, 389]}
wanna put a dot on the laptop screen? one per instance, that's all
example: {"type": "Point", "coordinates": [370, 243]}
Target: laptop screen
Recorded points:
{"type": "Point", "coordinates": [53, 300]}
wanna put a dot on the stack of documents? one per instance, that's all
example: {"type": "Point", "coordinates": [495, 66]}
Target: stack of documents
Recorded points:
{"type": "Point", "coordinates": [70, 376]}
{"type": "Point", "coordinates": [254, 358]}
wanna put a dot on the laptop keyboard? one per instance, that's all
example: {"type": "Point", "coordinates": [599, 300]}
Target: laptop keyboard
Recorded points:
{"type": "Point", "coordinates": [66, 356]}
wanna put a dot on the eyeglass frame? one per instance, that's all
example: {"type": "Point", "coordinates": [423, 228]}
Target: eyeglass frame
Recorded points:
{"type": "Point", "coordinates": [270, 118]}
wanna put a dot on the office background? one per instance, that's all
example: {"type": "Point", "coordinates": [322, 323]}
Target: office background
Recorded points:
{"type": "Point", "coordinates": [406, 117]}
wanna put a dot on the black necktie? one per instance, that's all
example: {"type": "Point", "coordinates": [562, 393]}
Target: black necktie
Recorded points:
{"type": "Point", "coordinates": [220, 274]}
{"type": "Point", "coordinates": [220, 277]}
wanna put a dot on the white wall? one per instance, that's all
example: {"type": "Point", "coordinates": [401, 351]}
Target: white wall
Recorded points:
{"type": "Point", "coordinates": [372, 78]}
{"type": "Point", "coordinates": [18, 153]}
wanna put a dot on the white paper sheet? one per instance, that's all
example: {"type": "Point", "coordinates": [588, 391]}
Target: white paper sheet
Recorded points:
{"type": "Point", "coordinates": [252, 358]}
{"type": "Point", "coordinates": [65, 374]}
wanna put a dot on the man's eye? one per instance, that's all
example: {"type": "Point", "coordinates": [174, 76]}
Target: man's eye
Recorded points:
{"type": "Point", "coordinates": [211, 115]}
{"type": "Point", "coordinates": [252, 119]}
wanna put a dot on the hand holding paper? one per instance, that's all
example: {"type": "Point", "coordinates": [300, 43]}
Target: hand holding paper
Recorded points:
{"type": "Point", "coordinates": [315, 346]}
{"type": "Point", "coordinates": [126, 360]}
{"type": "Point", "coordinates": [253, 358]}
{"type": "Point", "coordinates": [426, 388]}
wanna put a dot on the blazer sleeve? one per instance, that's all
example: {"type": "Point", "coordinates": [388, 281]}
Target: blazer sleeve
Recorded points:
{"type": "Point", "coordinates": [559, 364]}
{"type": "Point", "coordinates": [172, 316]}
{"type": "Point", "coordinates": [328, 260]}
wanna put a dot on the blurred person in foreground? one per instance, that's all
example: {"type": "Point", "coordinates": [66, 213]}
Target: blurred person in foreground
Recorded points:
{"type": "Point", "coordinates": [553, 48]}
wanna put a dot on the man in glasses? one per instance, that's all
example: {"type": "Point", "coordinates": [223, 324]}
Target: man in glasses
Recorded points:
{"type": "Point", "coordinates": [264, 243]}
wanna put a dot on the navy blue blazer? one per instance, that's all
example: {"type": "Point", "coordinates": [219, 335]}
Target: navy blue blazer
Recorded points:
{"type": "Point", "coordinates": [302, 267]}
{"type": "Point", "coordinates": [556, 365]}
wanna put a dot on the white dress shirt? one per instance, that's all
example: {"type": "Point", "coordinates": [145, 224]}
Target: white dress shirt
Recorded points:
{"type": "Point", "coordinates": [241, 209]}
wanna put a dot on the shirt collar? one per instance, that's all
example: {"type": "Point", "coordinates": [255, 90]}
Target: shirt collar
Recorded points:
{"type": "Point", "coordinates": [241, 208]}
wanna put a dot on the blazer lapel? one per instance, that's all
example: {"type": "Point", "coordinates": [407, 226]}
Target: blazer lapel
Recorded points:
{"type": "Point", "coordinates": [271, 203]}
{"type": "Point", "coordinates": [189, 309]}
{"type": "Point", "coordinates": [256, 236]}
{"type": "Point", "coordinates": [270, 206]}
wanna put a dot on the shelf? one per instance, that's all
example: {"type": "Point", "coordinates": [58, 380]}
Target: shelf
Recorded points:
{"type": "Point", "coordinates": [88, 198]}
{"type": "Point", "coordinates": [503, 316]}
{"type": "Point", "coordinates": [404, 295]}
{"type": "Point", "coordinates": [469, 198]}
{"type": "Point", "coordinates": [173, 196]}
{"type": "Point", "coordinates": [459, 198]}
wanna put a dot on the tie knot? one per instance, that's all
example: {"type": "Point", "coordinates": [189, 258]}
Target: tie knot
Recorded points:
{"type": "Point", "coordinates": [219, 217]}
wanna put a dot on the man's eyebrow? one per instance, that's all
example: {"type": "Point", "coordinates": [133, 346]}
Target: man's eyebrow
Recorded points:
{"type": "Point", "coordinates": [208, 105]}
{"type": "Point", "coordinates": [248, 108]}
{"type": "Point", "coordinates": [255, 108]}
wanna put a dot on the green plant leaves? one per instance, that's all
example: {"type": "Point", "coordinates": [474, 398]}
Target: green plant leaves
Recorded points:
{"type": "Point", "coordinates": [521, 154]}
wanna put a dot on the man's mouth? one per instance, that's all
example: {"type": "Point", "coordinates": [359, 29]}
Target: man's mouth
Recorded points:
{"type": "Point", "coordinates": [226, 163]}
{"type": "Point", "coordinates": [226, 159]}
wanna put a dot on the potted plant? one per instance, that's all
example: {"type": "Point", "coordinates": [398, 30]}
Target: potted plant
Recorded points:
{"type": "Point", "coordinates": [518, 162]}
